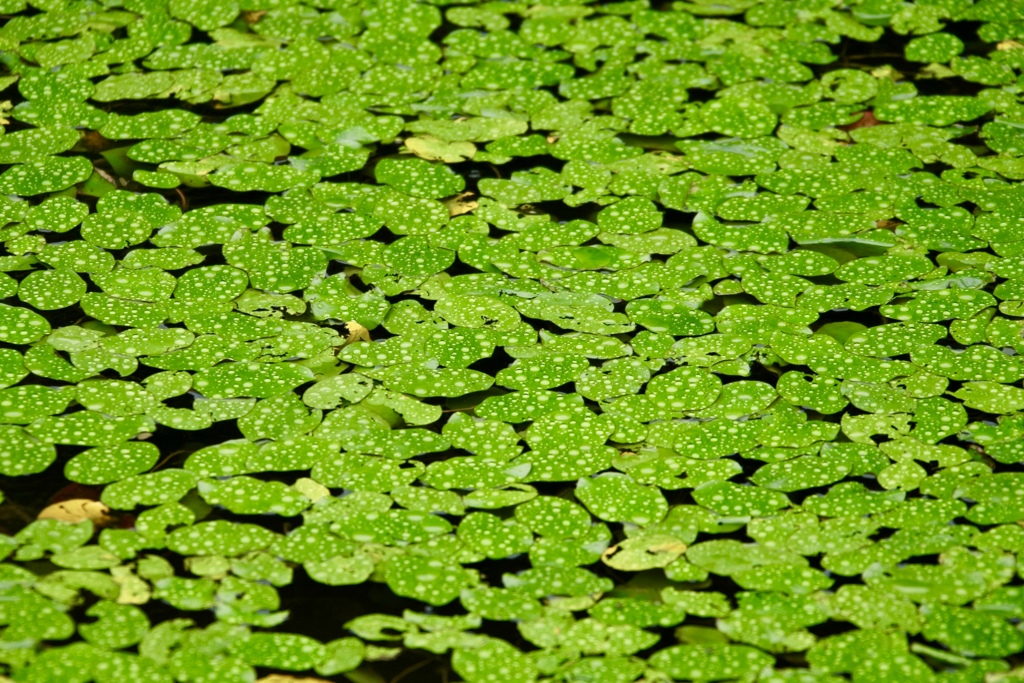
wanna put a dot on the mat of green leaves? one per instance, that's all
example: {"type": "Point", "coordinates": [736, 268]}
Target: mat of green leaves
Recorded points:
{"type": "Point", "coordinates": [581, 341]}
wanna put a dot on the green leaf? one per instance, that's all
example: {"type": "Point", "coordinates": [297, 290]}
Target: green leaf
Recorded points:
{"type": "Point", "coordinates": [543, 372]}
{"type": "Point", "coordinates": [425, 381]}
{"type": "Point", "coordinates": [731, 156]}
{"type": "Point", "coordinates": [117, 626]}
{"type": "Point", "coordinates": [732, 500]}
{"type": "Point", "coordinates": [253, 175]}
{"type": "Point", "coordinates": [738, 118]}
{"type": "Point", "coordinates": [166, 123]}
{"type": "Point", "coordinates": [246, 495]}
{"type": "Point", "coordinates": [288, 651]}
{"type": "Point", "coordinates": [50, 174]}
{"type": "Point", "coordinates": [260, 380]}
{"type": "Point", "coordinates": [850, 499]}
{"type": "Point", "coordinates": [617, 498]}
{"type": "Point", "coordinates": [809, 377]}
{"type": "Point", "coordinates": [568, 581]}
{"type": "Point", "coordinates": [30, 144]}
{"type": "Point", "coordinates": [937, 47]}
{"type": "Point", "coordinates": [633, 215]}
{"type": "Point", "coordinates": [111, 463]}
{"type": "Point", "coordinates": [435, 581]}
{"type": "Point", "coordinates": [156, 488]}
{"type": "Point", "coordinates": [22, 454]}
{"type": "Point", "coordinates": [683, 389]}
{"type": "Point", "coordinates": [492, 662]}
{"type": "Point", "coordinates": [818, 393]}
{"type": "Point", "coordinates": [49, 290]}
{"type": "Point", "coordinates": [932, 110]}
{"type": "Point", "coordinates": [970, 633]}
{"type": "Point", "coordinates": [230, 539]}
{"type": "Point", "coordinates": [418, 178]}
{"type": "Point", "coordinates": [492, 537]}
{"type": "Point", "coordinates": [991, 397]}
{"type": "Point", "coordinates": [710, 662]}
{"type": "Point", "coordinates": [216, 283]}
{"type": "Point", "coordinates": [406, 215]}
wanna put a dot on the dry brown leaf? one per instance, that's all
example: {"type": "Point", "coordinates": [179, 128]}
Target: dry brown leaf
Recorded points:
{"type": "Point", "coordinates": [1009, 45]}
{"type": "Point", "coordinates": [93, 141]}
{"type": "Point", "coordinates": [867, 120]}
{"type": "Point", "coordinates": [77, 510]}
{"type": "Point", "coordinates": [106, 176]}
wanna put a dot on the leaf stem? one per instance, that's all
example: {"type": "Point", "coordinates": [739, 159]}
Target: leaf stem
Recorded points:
{"type": "Point", "coordinates": [408, 670]}
{"type": "Point", "coordinates": [165, 460]}
{"type": "Point", "coordinates": [364, 674]}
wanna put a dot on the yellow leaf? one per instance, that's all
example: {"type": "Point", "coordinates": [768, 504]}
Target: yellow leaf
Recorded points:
{"type": "Point", "coordinates": [460, 204]}
{"type": "Point", "coordinates": [356, 332]}
{"type": "Point", "coordinates": [77, 510]}
{"type": "Point", "coordinates": [311, 489]}
{"type": "Point", "coordinates": [134, 591]}
{"type": "Point", "coordinates": [432, 149]}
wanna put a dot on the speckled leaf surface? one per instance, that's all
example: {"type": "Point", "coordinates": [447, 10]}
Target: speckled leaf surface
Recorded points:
{"type": "Point", "coordinates": [683, 338]}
